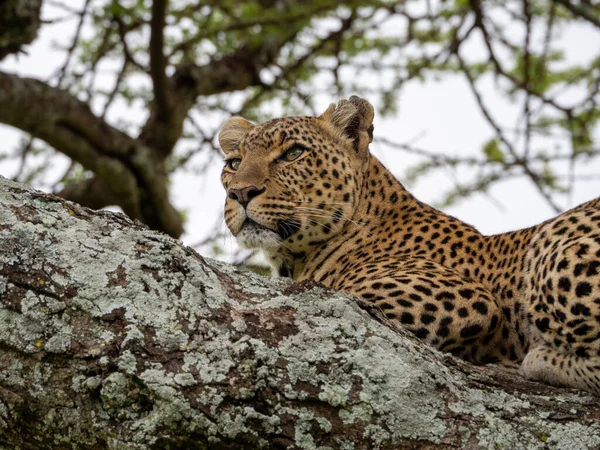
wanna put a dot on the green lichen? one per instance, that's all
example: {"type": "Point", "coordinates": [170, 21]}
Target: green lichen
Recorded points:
{"type": "Point", "coordinates": [185, 379]}
{"type": "Point", "coordinates": [534, 434]}
{"type": "Point", "coordinates": [164, 341]}
{"type": "Point", "coordinates": [3, 416]}
{"type": "Point", "coordinates": [335, 395]}
{"type": "Point", "coordinates": [127, 362]}
{"type": "Point", "coordinates": [115, 395]}
{"type": "Point", "coordinates": [476, 402]}
{"type": "Point", "coordinates": [60, 342]}
{"type": "Point", "coordinates": [362, 412]}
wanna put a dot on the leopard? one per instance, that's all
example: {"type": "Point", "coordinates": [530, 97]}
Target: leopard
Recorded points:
{"type": "Point", "coordinates": [308, 193]}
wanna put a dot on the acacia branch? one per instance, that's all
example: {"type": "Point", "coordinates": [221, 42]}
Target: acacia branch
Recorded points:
{"type": "Point", "coordinates": [591, 15]}
{"type": "Point", "coordinates": [308, 11]}
{"type": "Point", "coordinates": [19, 24]}
{"type": "Point", "coordinates": [113, 93]}
{"type": "Point", "coordinates": [229, 73]}
{"type": "Point", "coordinates": [93, 192]}
{"type": "Point", "coordinates": [233, 72]}
{"type": "Point", "coordinates": [131, 175]}
{"type": "Point", "coordinates": [479, 22]}
{"type": "Point", "coordinates": [287, 73]}
{"type": "Point", "coordinates": [115, 336]}
{"type": "Point", "coordinates": [158, 61]}
{"type": "Point", "coordinates": [534, 177]}
{"type": "Point", "coordinates": [71, 50]}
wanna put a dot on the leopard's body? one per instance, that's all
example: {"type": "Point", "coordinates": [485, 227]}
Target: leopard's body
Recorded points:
{"type": "Point", "coordinates": [307, 191]}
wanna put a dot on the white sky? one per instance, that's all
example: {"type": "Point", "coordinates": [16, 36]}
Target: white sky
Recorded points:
{"type": "Point", "coordinates": [442, 114]}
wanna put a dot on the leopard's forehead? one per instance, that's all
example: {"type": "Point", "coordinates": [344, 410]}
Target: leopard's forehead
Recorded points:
{"type": "Point", "coordinates": [276, 132]}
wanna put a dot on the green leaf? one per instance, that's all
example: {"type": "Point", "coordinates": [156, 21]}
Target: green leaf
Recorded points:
{"type": "Point", "coordinates": [493, 151]}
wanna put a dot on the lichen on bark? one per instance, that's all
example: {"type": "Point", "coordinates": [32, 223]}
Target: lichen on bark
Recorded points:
{"type": "Point", "coordinates": [114, 336]}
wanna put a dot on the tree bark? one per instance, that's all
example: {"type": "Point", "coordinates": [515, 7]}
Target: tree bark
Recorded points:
{"type": "Point", "coordinates": [19, 24]}
{"type": "Point", "coordinates": [113, 336]}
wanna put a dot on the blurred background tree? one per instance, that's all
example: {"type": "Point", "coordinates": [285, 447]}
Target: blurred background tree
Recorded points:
{"type": "Point", "coordinates": [143, 86]}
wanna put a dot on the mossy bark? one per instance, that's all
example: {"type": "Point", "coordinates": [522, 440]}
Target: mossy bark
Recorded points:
{"type": "Point", "coordinates": [113, 336]}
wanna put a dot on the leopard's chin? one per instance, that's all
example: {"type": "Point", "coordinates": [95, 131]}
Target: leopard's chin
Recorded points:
{"type": "Point", "coordinates": [253, 235]}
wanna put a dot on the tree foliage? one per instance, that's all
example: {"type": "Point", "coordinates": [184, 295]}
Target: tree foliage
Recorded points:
{"type": "Point", "coordinates": [145, 85]}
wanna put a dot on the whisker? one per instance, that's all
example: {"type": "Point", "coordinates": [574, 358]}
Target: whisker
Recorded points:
{"type": "Point", "coordinates": [317, 213]}
{"type": "Point", "coordinates": [307, 215]}
{"type": "Point", "coordinates": [342, 217]}
{"type": "Point", "coordinates": [316, 203]}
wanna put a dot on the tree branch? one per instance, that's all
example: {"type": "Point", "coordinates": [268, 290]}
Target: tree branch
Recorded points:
{"type": "Point", "coordinates": [19, 24]}
{"type": "Point", "coordinates": [115, 336]}
{"type": "Point", "coordinates": [158, 61]}
{"type": "Point", "coordinates": [74, 42]}
{"type": "Point", "coordinates": [590, 15]}
{"type": "Point", "coordinates": [234, 72]}
{"type": "Point", "coordinates": [476, 6]}
{"type": "Point", "coordinates": [130, 172]}
{"type": "Point", "coordinates": [91, 192]}
{"type": "Point", "coordinates": [534, 177]}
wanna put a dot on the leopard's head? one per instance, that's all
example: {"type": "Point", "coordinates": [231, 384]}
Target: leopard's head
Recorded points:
{"type": "Point", "coordinates": [294, 182]}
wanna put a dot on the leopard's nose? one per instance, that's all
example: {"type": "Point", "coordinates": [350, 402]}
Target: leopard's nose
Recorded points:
{"type": "Point", "coordinates": [245, 194]}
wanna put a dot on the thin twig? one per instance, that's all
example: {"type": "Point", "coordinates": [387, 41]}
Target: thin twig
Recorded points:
{"type": "Point", "coordinates": [113, 93]}
{"type": "Point", "coordinates": [71, 50]}
{"type": "Point", "coordinates": [480, 23]}
{"type": "Point", "coordinates": [23, 158]}
{"type": "Point", "coordinates": [527, 78]}
{"type": "Point", "coordinates": [581, 11]}
{"type": "Point", "coordinates": [523, 163]}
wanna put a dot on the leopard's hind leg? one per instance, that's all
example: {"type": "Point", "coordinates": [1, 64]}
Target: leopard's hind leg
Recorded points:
{"type": "Point", "coordinates": [562, 293]}
{"type": "Point", "coordinates": [562, 369]}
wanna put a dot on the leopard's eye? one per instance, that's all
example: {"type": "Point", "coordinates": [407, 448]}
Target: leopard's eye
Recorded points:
{"type": "Point", "coordinates": [234, 164]}
{"type": "Point", "coordinates": [293, 153]}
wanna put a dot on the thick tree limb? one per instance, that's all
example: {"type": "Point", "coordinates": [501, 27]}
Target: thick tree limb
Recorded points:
{"type": "Point", "coordinates": [158, 61]}
{"type": "Point", "coordinates": [234, 72]}
{"type": "Point", "coordinates": [92, 192]}
{"type": "Point", "coordinates": [132, 171]}
{"type": "Point", "coordinates": [116, 337]}
{"type": "Point", "coordinates": [129, 171]}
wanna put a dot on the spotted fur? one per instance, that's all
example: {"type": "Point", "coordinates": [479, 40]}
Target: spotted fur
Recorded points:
{"type": "Point", "coordinates": [307, 192]}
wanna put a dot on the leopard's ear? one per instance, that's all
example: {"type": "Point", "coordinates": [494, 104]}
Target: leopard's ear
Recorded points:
{"type": "Point", "coordinates": [353, 119]}
{"type": "Point", "coordinates": [232, 132]}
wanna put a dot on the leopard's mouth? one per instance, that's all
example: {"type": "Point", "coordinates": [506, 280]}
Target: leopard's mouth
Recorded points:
{"type": "Point", "coordinates": [255, 235]}
{"type": "Point", "coordinates": [254, 225]}
{"type": "Point", "coordinates": [285, 227]}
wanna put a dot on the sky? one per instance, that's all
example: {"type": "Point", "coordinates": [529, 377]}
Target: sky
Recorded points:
{"type": "Point", "coordinates": [438, 115]}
